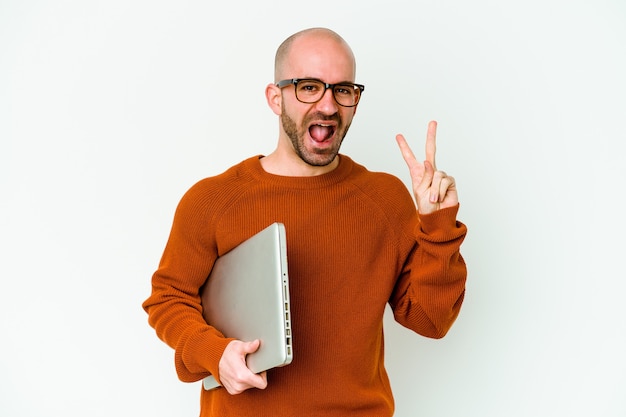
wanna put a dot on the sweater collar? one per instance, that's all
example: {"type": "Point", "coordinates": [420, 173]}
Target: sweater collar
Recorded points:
{"type": "Point", "coordinates": [254, 168]}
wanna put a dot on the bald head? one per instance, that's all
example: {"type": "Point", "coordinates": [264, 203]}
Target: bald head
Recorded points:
{"type": "Point", "coordinates": [306, 39]}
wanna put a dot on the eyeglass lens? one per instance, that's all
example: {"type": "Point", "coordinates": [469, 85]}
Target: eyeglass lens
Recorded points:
{"type": "Point", "coordinates": [311, 91]}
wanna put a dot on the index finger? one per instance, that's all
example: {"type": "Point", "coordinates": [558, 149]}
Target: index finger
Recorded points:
{"type": "Point", "coordinates": [431, 145]}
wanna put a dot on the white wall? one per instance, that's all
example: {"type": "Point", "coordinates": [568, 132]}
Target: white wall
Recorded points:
{"type": "Point", "coordinates": [110, 110]}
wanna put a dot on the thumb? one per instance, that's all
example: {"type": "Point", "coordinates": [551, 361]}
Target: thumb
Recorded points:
{"type": "Point", "coordinates": [251, 347]}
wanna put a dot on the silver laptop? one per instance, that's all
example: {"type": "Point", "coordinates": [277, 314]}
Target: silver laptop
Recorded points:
{"type": "Point", "coordinates": [247, 297]}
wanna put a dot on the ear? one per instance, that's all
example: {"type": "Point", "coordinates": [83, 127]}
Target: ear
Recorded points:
{"type": "Point", "coordinates": [273, 95]}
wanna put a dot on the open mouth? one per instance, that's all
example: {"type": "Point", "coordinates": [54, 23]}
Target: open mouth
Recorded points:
{"type": "Point", "coordinates": [321, 132]}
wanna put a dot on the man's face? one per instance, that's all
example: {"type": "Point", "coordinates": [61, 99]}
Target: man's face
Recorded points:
{"type": "Point", "coordinates": [317, 136]}
{"type": "Point", "coordinates": [317, 130]}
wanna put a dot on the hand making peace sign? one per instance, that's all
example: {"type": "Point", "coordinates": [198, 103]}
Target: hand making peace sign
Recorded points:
{"type": "Point", "coordinates": [433, 189]}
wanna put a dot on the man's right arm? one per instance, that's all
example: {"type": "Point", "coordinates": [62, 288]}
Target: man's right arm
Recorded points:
{"type": "Point", "coordinates": [174, 307]}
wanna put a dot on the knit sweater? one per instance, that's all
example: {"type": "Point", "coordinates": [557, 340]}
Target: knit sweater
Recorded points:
{"type": "Point", "coordinates": [354, 243]}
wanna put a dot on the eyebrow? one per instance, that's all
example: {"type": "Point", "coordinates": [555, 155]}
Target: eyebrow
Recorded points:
{"type": "Point", "coordinates": [322, 81]}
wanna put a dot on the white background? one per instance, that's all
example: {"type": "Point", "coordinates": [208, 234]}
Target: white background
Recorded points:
{"type": "Point", "coordinates": [110, 110]}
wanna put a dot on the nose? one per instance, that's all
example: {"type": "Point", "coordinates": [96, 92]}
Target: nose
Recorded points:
{"type": "Point", "coordinates": [327, 103]}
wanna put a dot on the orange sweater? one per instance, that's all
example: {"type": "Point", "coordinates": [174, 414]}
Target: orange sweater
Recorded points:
{"type": "Point", "coordinates": [354, 244]}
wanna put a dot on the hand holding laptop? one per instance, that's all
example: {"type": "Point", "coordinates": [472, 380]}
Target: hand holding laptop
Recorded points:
{"type": "Point", "coordinates": [234, 374]}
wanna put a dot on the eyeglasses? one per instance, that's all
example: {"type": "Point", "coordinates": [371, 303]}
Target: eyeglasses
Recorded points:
{"type": "Point", "coordinates": [310, 90]}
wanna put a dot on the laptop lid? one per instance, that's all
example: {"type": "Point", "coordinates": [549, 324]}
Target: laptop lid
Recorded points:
{"type": "Point", "coordinates": [247, 297]}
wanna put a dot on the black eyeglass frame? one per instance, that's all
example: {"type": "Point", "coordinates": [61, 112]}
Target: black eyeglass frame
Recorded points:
{"type": "Point", "coordinates": [295, 81]}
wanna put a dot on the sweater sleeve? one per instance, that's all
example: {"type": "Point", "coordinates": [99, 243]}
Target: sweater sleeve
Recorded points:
{"type": "Point", "coordinates": [174, 307]}
{"type": "Point", "coordinates": [428, 295]}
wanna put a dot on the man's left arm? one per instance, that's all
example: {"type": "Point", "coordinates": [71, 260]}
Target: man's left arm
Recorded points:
{"type": "Point", "coordinates": [429, 292]}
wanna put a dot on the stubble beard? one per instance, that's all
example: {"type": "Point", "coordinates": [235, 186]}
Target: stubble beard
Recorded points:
{"type": "Point", "coordinates": [313, 157]}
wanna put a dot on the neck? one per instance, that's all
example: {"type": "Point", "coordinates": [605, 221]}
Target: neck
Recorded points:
{"type": "Point", "coordinates": [290, 165]}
